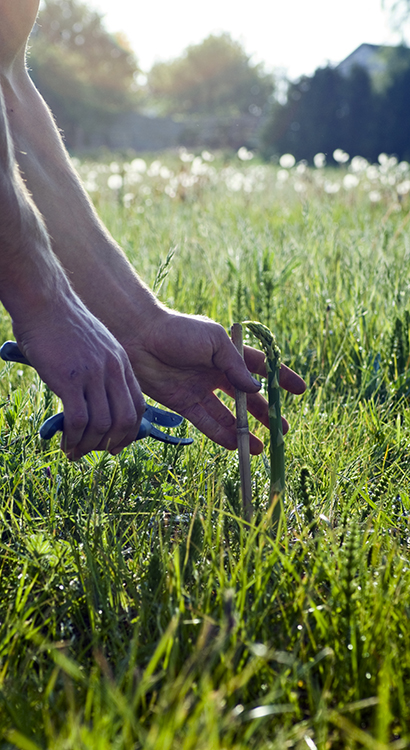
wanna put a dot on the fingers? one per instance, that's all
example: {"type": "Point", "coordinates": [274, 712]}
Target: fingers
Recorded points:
{"type": "Point", "coordinates": [291, 381]}
{"type": "Point", "coordinates": [238, 371]}
{"type": "Point", "coordinates": [75, 424]}
{"type": "Point", "coordinates": [255, 360]}
{"type": "Point", "coordinates": [107, 417]}
{"type": "Point", "coordinates": [288, 379]}
{"type": "Point", "coordinates": [227, 359]}
{"type": "Point", "coordinates": [215, 420]}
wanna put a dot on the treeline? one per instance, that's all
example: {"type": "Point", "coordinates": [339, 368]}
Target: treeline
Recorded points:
{"type": "Point", "coordinates": [89, 77]}
{"type": "Point", "coordinates": [356, 113]}
{"type": "Point", "coordinates": [85, 74]}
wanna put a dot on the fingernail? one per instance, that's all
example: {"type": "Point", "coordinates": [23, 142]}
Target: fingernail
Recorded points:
{"type": "Point", "coordinates": [256, 382]}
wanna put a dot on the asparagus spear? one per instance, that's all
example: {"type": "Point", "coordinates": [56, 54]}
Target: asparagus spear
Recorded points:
{"type": "Point", "coordinates": [277, 454]}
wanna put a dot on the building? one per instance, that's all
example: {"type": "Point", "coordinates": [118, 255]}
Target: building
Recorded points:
{"type": "Point", "coordinates": [375, 58]}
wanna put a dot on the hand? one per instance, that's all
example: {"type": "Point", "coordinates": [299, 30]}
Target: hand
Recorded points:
{"type": "Point", "coordinates": [88, 369]}
{"type": "Point", "coordinates": [183, 359]}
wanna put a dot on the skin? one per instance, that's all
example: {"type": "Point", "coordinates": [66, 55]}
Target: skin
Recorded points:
{"type": "Point", "coordinates": [82, 316]}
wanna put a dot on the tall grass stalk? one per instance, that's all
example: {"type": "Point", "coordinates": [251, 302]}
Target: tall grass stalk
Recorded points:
{"type": "Point", "coordinates": [242, 430]}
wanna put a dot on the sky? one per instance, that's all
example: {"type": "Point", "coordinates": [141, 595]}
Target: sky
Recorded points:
{"type": "Point", "coordinates": [291, 36]}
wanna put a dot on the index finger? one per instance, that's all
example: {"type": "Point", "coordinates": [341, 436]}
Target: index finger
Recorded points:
{"type": "Point", "coordinates": [288, 379]}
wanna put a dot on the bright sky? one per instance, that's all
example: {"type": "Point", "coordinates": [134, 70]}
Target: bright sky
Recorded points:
{"type": "Point", "coordinates": [296, 36]}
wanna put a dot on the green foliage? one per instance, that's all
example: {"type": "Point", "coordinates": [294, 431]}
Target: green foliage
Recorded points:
{"type": "Point", "coordinates": [84, 73]}
{"type": "Point", "coordinates": [330, 111]}
{"type": "Point", "coordinates": [325, 112]}
{"type": "Point", "coordinates": [214, 77]}
{"type": "Point", "coordinates": [395, 104]}
{"type": "Point", "coordinates": [137, 609]}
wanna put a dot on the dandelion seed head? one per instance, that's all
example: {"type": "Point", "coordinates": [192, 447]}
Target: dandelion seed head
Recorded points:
{"type": "Point", "coordinates": [235, 181]}
{"type": "Point", "coordinates": [243, 154]}
{"type": "Point", "coordinates": [139, 165]}
{"type": "Point", "coordinates": [128, 198]}
{"type": "Point", "coordinates": [331, 187]}
{"type": "Point", "coordinates": [185, 156]}
{"type": "Point", "coordinates": [207, 156]}
{"type": "Point", "coordinates": [154, 168]}
{"type": "Point", "coordinates": [350, 181]}
{"type": "Point", "coordinates": [403, 188]}
{"type": "Point", "coordinates": [340, 156]}
{"type": "Point", "coordinates": [375, 196]}
{"type": "Point", "coordinates": [359, 164]}
{"type": "Point", "coordinates": [319, 160]}
{"type": "Point", "coordinates": [372, 173]}
{"type": "Point", "coordinates": [282, 175]}
{"type": "Point", "coordinates": [287, 161]}
{"type": "Point", "coordinates": [165, 173]}
{"type": "Point", "coordinates": [90, 185]}
{"type": "Point", "coordinates": [198, 167]}
{"type": "Point", "coordinates": [302, 167]}
{"type": "Point", "coordinates": [115, 181]}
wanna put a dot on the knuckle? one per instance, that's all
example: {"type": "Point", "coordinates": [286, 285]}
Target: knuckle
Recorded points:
{"type": "Point", "coordinates": [129, 422]}
{"type": "Point", "coordinates": [115, 367]}
{"type": "Point", "coordinates": [78, 421]}
{"type": "Point", "coordinates": [102, 425]}
{"type": "Point", "coordinates": [219, 332]}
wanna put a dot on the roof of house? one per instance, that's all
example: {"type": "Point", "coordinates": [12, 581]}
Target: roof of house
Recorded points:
{"type": "Point", "coordinates": [366, 56]}
{"type": "Point", "coordinates": [373, 57]}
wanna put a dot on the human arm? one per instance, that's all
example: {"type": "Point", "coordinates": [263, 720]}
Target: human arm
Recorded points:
{"type": "Point", "coordinates": [179, 360]}
{"type": "Point", "coordinates": [72, 351]}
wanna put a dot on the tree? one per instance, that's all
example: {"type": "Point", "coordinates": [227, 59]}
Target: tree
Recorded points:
{"type": "Point", "coordinates": [399, 11]}
{"type": "Point", "coordinates": [325, 112]}
{"type": "Point", "coordinates": [84, 73]}
{"type": "Point", "coordinates": [395, 108]}
{"type": "Point", "coordinates": [215, 77]}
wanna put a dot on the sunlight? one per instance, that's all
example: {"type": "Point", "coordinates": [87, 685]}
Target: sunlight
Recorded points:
{"type": "Point", "coordinates": [264, 32]}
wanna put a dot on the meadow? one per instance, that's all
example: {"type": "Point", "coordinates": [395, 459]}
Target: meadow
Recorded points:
{"type": "Point", "coordinates": [138, 610]}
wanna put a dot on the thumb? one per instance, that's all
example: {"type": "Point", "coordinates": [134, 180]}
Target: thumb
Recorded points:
{"type": "Point", "coordinates": [228, 359]}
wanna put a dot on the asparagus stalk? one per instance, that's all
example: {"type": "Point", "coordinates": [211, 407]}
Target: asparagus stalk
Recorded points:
{"type": "Point", "coordinates": [277, 453]}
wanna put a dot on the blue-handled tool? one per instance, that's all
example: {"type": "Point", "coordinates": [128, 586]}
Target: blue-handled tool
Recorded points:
{"type": "Point", "coordinates": [152, 415]}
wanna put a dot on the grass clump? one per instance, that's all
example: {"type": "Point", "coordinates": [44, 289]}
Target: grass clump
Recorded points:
{"type": "Point", "coordinates": [137, 608]}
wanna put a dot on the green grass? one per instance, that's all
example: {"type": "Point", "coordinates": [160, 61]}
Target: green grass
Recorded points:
{"type": "Point", "coordinates": [137, 609]}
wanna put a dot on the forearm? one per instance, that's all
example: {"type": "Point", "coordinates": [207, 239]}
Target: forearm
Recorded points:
{"type": "Point", "coordinates": [70, 349]}
{"type": "Point", "coordinates": [29, 272]}
{"type": "Point", "coordinates": [95, 265]}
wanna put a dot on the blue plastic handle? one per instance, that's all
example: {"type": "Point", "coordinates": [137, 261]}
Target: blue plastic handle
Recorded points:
{"type": "Point", "coordinates": [56, 424]}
